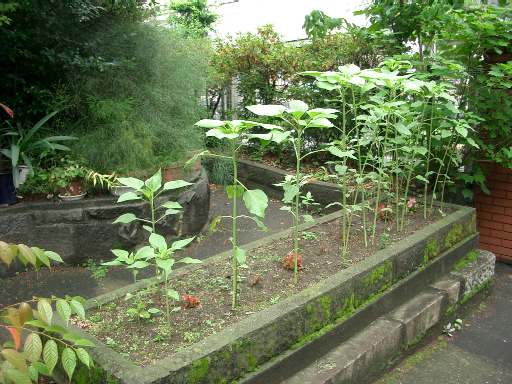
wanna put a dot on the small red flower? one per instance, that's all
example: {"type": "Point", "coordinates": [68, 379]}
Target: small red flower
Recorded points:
{"type": "Point", "coordinates": [289, 261]}
{"type": "Point", "coordinates": [7, 110]}
{"type": "Point", "coordinates": [190, 301]}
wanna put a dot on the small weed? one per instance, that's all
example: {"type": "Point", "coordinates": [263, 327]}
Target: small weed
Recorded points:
{"type": "Point", "coordinates": [385, 240]}
{"type": "Point", "coordinates": [191, 337]}
{"type": "Point", "coordinates": [98, 271]}
{"type": "Point", "coordinates": [449, 329]}
{"type": "Point", "coordinates": [275, 299]}
{"type": "Point", "coordinates": [306, 235]}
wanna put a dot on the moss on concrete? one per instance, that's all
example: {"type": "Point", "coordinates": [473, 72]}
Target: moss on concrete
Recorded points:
{"type": "Point", "coordinates": [431, 250]}
{"type": "Point", "coordinates": [466, 260]}
{"type": "Point", "coordinates": [454, 235]}
{"type": "Point", "coordinates": [380, 277]}
{"type": "Point", "coordinates": [198, 371]}
{"type": "Point", "coordinates": [479, 288]}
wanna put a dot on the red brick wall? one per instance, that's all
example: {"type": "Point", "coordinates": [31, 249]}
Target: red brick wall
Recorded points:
{"type": "Point", "coordinates": [494, 213]}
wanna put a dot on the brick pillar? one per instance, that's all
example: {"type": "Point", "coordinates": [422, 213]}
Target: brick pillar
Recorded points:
{"type": "Point", "coordinates": [494, 213]}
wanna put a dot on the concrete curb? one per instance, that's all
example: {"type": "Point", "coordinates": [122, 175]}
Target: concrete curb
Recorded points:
{"type": "Point", "coordinates": [368, 352]}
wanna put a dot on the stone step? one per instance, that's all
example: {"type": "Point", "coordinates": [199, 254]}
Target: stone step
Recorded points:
{"type": "Point", "coordinates": [369, 352]}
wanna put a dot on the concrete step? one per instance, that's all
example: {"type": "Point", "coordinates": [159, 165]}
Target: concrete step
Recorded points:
{"type": "Point", "coordinates": [369, 352]}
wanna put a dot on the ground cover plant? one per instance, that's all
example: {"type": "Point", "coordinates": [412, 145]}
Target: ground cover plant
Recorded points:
{"type": "Point", "coordinates": [37, 344]}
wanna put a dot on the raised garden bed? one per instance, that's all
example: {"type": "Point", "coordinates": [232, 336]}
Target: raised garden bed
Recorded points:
{"type": "Point", "coordinates": [260, 175]}
{"type": "Point", "coordinates": [264, 327]}
{"type": "Point", "coordinates": [80, 230]}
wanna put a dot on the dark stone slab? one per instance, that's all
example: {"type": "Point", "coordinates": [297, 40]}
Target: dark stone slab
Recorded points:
{"type": "Point", "coordinates": [82, 230]}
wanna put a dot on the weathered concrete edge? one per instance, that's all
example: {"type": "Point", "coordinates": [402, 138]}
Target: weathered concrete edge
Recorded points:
{"type": "Point", "coordinates": [428, 309]}
{"type": "Point", "coordinates": [443, 262]}
{"type": "Point", "coordinates": [128, 372]}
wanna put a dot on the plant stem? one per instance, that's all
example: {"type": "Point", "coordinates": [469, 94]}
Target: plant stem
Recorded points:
{"type": "Point", "coordinates": [234, 261]}
{"type": "Point", "coordinates": [360, 168]}
{"type": "Point", "coordinates": [429, 147]}
{"type": "Point", "coordinates": [296, 209]}
{"type": "Point", "coordinates": [167, 310]}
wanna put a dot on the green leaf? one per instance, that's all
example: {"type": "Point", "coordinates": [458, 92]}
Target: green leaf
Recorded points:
{"type": "Point", "coordinates": [154, 182]}
{"type": "Point", "coordinates": [208, 123]}
{"type": "Point", "coordinates": [189, 260]}
{"type": "Point", "coordinates": [240, 256]}
{"type": "Point", "coordinates": [33, 373]}
{"type": "Point", "coordinates": [173, 294]}
{"type": "Point", "coordinates": [180, 244]}
{"type": "Point", "coordinates": [125, 218]}
{"type": "Point", "coordinates": [77, 308]}
{"type": "Point", "coordinates": [50, 355]}
{"type": "Point", "coordinates": [327, 86]}
{"type": "Point", "coordinates": [128, 196]}
{"type": "Point", "coordinates": [256, 202]}
{"type": "Point", "coordinates": [33, 347]}
{"type": "Point", "coordinates": [7, 253]}
{"type": "Point", "coordinates": [165, 265]}
{"type": "Point", "coordinates": [402, 129]}
{"type": "Point", "coordinates": [27, 254]}
{"type": "Point", "coordinates": [131, 182]}
{"type": "Point", "coordinates": [323, 112]}
{"type": "Point", "coordinates": [41, 368]}
{"type": "Point", "coordinates": [17, 377]}
{"type": "Point", "coordinates": [421, 178]}
{"type": "Point", "coordinates": [267, 110]}
{"type": "Point", "coordinates": [279, 136]}
{"type": "Point", "coordinates": [320, 122]}
{"type": "Point", "coordinates": [120, 253]}
{"type": "Point", "coordinates": [175, 184]}
{"type": "Point", "coordinates": [171, 205]}
{"type": "Point", "coordinates": [221, 134]}
{"type": "Point", "coordinates": [84, 357]}
{"type": "Point", "coordinates": [69, 361]}
{"type": "Point", "coordinates": [63, 309]}
{"type": "Point", "coordinates": [45, 312]}
{"type": "Point", "coordinates": [158, 242]}
{"type": "Point", "coordinates": [15, 358]}
{"type": "Point", "coordinates": [472, 142]}
{"type": "Point", "coordinates": [461, 130]}
{"type": "Point", "coordinates": [140, 264]}
{"type": "Point", "coordinates": [41, 256]}
{"type": "Point", "coordinates": [290, 191]}
{"type": "Point", "coordinates": [53, 256]}
{"type": "Point", "coordinates": [297, 108]}
{"type": "Point", "coordinates": [145, 253]}
{"type": "Point", "coordinates": [341, 154]}
{"type": "Point", "coordinates": [232, 190]}
{"type": "Point", "coordinates": [308, 219]}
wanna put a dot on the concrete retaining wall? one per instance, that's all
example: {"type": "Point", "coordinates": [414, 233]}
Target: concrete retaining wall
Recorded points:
{"type": "Point", "coordinates": [82, 230]}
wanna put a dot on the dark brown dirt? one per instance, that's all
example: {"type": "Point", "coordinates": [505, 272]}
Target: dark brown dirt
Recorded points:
{"type": "Point", "coordinates": [263, 283]}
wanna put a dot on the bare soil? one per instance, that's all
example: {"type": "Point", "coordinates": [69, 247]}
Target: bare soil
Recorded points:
{"type": "Point", "coordinates": [263, 283]}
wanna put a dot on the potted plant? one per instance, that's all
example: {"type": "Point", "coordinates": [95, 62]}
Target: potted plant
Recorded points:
{"type": "Point", "coordinates": [68, 180]}
{"type": "Point", "coordinates": [23, 146]}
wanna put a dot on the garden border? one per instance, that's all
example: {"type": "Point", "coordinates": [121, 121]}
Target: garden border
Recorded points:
{"type": "Point", "coordinates": [244, 346]}
{"type": "Point", "coordinates": [264, 176]}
